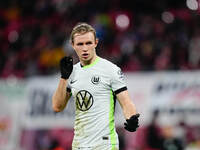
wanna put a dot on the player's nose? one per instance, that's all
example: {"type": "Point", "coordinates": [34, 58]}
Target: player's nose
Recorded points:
{"type": "Point", "coordinates": [85, 49]}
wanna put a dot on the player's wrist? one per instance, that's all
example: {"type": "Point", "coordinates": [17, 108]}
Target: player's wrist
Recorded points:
{"type": "Point", "coordinates": [135, 116]}
{"type": "Point", "coordinates": [63, 80]}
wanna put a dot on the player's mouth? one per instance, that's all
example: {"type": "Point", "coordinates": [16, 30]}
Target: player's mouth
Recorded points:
{"type": "Point", "coordinates": [85, 55]}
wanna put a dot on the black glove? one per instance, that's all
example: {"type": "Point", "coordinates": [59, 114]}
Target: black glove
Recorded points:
{"type": "Point", "coordinates": [132, 124]}
{"type": "Point", "coordinates": [66, 67]}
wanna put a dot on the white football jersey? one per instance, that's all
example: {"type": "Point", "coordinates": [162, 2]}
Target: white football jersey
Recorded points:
{"type": "Point", "coordinates": [93, 88]}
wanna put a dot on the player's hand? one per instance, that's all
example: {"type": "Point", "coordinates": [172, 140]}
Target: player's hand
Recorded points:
{"type": "Point", "coordinates": [132, 123]}
{"type": "Point", "coordinates": [66, 67]}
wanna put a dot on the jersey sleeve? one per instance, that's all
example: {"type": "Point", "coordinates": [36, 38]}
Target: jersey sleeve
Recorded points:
{"type": "Point", "coordinates": [68, 88]}
{"type": "Point", "coordinates": [117, 80]}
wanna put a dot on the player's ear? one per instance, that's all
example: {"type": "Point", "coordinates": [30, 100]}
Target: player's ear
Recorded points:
{"type": "Point", "coordinates": [96, 41]}
{"type": "Point", "coordinates": [72, 44]}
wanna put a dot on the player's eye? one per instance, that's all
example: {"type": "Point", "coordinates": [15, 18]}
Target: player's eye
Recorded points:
{"type": "Point", "coordinates": [88, 43]}
{"type": "Point", "coordinates": [79, 44]}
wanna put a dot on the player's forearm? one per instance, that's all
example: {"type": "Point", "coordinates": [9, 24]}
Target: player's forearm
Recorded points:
{"type": "Point", "coordinates": [129, 110]}
{"type": "Point", "coordinates": [126, 103]}
{"type": "Point", "coordinates": [59, 99]}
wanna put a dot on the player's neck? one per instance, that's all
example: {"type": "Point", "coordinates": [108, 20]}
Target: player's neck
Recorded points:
{"type": "Point", "coordinates": [85, 63]}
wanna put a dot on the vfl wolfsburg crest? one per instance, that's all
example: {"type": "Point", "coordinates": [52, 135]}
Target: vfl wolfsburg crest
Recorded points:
{"type": "Point", "coordinates": [95, 79]}
{"type": "Point", "coordinates": [84, 100]}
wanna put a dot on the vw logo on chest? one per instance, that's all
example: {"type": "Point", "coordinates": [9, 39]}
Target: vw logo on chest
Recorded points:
{"type": "Point", "coordinates": [84, 100]}
{"type": "Point", "coordinates": [95, 79]}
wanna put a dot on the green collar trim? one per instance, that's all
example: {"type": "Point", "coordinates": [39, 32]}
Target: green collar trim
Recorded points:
{"type": "Point", "coordinates": [92, 64]}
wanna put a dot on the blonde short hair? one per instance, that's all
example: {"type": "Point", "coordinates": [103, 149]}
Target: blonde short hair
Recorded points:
{"type": "Point", "coordinates": [82, 28]}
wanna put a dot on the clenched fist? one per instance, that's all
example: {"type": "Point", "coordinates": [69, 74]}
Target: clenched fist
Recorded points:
{"type": "Point", "coordinates": [66, 67]}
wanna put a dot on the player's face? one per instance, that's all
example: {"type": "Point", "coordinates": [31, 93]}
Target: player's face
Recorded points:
{"type": "Point", "coordinates": [84, 45]}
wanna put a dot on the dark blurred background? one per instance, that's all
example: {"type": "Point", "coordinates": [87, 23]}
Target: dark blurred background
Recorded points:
{"type": "Point", "coordinates": [140, 36]}
{"type": "Point", "coordinates": [137, 35]}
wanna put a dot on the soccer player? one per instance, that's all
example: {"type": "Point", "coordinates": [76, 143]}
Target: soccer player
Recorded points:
{"type": "Point", "coordinates": [94, 83]}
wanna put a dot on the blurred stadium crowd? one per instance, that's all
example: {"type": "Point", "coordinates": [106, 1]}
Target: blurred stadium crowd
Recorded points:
{"type": "Point", "coordinates": [138, 36]}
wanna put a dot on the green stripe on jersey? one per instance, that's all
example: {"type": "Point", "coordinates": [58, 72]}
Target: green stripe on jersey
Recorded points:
{"type": "Point", "coordinates": [111, 121]}
{"type": "Point", "coordinates": [92, 64]}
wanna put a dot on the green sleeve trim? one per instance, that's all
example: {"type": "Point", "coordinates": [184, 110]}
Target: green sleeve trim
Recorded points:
{"type": "Point", "coordinates": [111, 121]}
